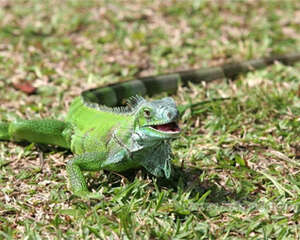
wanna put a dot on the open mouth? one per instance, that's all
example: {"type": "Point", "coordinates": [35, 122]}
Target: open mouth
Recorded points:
{"type": "Point", "coordinates": [168, 127]}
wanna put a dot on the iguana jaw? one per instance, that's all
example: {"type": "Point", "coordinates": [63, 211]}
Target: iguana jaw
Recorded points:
{"type": "Point", "coordinates": [170, 129]}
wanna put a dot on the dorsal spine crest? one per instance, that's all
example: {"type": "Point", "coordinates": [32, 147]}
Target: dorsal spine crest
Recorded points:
{"type": "Point", "coordinates": [132, 105]}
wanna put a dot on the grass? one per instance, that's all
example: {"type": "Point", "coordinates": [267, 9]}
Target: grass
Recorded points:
{"type": "Point", "coordinates": [237, 160]}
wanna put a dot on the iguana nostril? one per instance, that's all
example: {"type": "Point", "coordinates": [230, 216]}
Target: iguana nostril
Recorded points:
{"type": "Point", "coordinates": [169, 114]}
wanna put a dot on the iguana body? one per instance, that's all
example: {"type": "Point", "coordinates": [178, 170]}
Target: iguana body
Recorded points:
{"type": "Point", "coordinates": [113, 139]}
{"type": "Point", "coordinates": [122, 138]}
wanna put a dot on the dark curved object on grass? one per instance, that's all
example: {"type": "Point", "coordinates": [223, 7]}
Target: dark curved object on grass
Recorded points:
{"type": "Point", "coordinates": [115, 94]}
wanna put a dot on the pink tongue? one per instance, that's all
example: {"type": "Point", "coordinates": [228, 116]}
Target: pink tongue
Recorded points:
{"type": "Point", "coordinates": [164, 128]}
{"type": "Point", "coordinates": [170, 127]}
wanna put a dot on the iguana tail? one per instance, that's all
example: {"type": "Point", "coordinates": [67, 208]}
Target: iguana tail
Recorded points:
{"type": "Point", "coordinates": [114, 94]}
{"type": "Point", "coordinates": [4, 135]}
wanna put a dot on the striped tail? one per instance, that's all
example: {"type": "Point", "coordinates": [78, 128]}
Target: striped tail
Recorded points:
{"type": "Point", "coordinates": [114, 94]}
{"type": "Point", "coordinates": [4, 135]}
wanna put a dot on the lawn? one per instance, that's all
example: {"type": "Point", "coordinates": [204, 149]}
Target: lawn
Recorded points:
{"type": "Point", "coordinates": [237, 161]}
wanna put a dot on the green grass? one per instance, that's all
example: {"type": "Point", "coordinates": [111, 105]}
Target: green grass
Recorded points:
{"type": "Point", "coordinates": [237, 161]}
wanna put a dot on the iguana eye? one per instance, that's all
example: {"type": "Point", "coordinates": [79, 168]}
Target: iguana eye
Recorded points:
{"type": "Point", "coordinates": [147, 113]}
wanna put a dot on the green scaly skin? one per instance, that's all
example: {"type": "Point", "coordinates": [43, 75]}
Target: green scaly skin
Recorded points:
{"type": "Point", "coordinates": [122, 138]}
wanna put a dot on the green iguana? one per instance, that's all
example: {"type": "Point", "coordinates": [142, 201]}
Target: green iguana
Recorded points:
{"type": "Point", "coordinates": [114, 139]}
{"type": "Point", "coordinates": [121, 138]}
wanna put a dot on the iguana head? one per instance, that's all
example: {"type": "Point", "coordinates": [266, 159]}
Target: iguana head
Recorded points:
{"type": "Point", "coordinates": [155, 125]}
{"type": "Point", "coordinates": [157, 120]}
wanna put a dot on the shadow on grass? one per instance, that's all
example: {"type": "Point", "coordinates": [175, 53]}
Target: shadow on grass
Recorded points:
{"type": "Point", "coordinates": [182, 180]}
{"type": "Point", "coordinates": [188, 180]}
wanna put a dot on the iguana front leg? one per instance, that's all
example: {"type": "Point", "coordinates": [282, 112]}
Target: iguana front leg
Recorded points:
{"type": "Point", "coordinates": [90, 161]}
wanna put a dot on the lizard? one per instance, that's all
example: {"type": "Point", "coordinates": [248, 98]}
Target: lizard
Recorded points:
{"type": "Point", "coordinates": [104, 136]}
{"type": "Point", "coordinates": [115, 139]}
